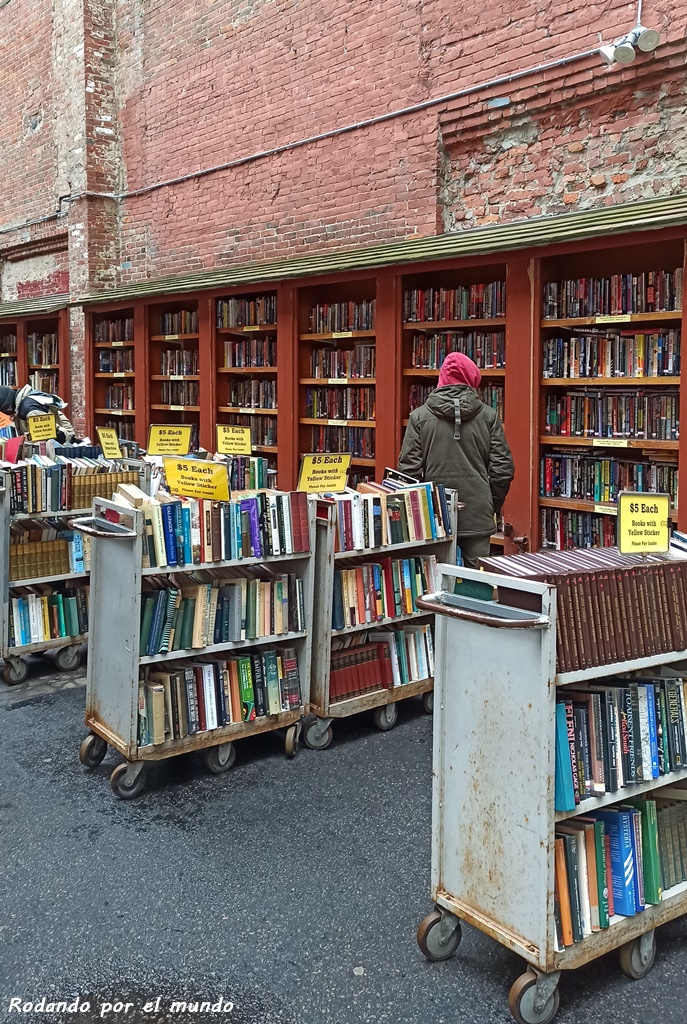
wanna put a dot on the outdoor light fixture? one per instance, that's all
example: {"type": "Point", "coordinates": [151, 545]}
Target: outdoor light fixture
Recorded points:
{"type": "Point", "coordinates": [623, 50]}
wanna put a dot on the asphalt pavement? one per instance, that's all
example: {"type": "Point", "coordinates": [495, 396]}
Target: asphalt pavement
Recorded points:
{"type": "Point", "coordinates": [284, 892]}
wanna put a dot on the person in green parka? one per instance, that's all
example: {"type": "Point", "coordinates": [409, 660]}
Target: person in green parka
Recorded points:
{"type": "Point", "coordinates": [457, 440]}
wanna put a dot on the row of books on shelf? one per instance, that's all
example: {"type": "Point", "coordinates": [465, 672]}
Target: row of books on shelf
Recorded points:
{"type": "Point", "coordinates": [8, 343]}
{"type": "Point", "coordinates": [121, 329]}
{"type": "Point", "coordinates": [263, 429]}
{"type": "Point", "coordinates": [610, 607]}
{"type": "Point", "coordinates": [326, 317]}
{"type": "Point", "coordinates": [45, 380]}
{"type": "Point", "coordinates": [375, 591]}
{"type": "Point", "coordinates": [8, 373]}
{"type": "Point", "coordinates": [631, 414]}
{"type": "Point", "coordinates": [179, 362]}
{"type": "Point", "coordinates": [183, 531]}
{"type": "Point", "coordinates": [185, 321]}
{"type": "Point", "coordinates": [649, 292]}
{"type": "Point", "coordinates": [373, 660]}
{"type": "Point", "coordinates": [248, 472]}
{"type": "Point", "coordinates": [486, 349]}
{"type": "Point", "coordinates": [466, 302]}
{"type": "Point", "coordinates": [340, 403]}
{"type": "Point", "coordinates": [55, 551]}
{"type": "Point", "coordinates": [179, 392]}
{"type": "Point", "coordinates": [41, 612]}
{"type": "Point", "coordinates": [359, 361]}
{"type": "Point", "coordinates": [42, 349]}
{"type": "Point", "coordinates": [260, 310]}
{"type": "Point", "coordinates": [359, 441]}
{"type": "Point", "coordinates": [204, 608]}
{"type": "Point", "coordinates": [371, 516]}
{"type": "Point", "coordinates": [626, 354]}
{"type": "Point", "coordinates": [616, 862]}
{"type": "Point", "coordinates": [616, 734]}
{"type": "Point", "coordinates": [562, 529]}
{"type": "Point", "coordinates": [250, 352]}
{"type": "Point", "coordinates": [203, 696]}
{"type": "Point", "coordinates": [595, 478]}
{"type": "Point", "coordinates": [253, 394]}
{"type": "Point", "coordinates": [116, 360]}
{"type": "Point", "coordinates": [42, 484]}
{"type": "Point", "coordinates": [120, 396]}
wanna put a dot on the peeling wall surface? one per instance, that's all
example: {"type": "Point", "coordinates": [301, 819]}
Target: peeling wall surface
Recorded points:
{"type": "Point", "coordinates": [108, 96]}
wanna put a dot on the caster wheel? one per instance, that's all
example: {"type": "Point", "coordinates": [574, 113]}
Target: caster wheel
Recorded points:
{"type": "Point", "coordinates": [433, 945]}
{"type": "Point", "coordinates": [68, 658]}
{"type": "Point", "coordinates": [521, 1002]}
{"type": "Point", "coordinates": [428, 702]}
{"type": "Point", "coordinates": [92, 751]}
{"type": "Point", "coordinates": [318, 740]}
{"type": "Point", "coordinates": [15, 672]}
{"type": "Point", "coordinates": [220, 759]}
{"type": "Point", "coordinates": [122, 788]}
{"type": "Point", "coordinates": [637, 959]}
{"type": "Point", "coordinates": [386, 717]}
{"type": "Point", "coordinates": [291, 741]}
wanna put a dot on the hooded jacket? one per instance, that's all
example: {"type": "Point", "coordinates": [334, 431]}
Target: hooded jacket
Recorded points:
{"type": "Point", "coordinates": [457, 440]}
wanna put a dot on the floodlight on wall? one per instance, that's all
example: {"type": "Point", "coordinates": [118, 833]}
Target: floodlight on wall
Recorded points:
{"type": "Point", "coordinates": [623, 50]}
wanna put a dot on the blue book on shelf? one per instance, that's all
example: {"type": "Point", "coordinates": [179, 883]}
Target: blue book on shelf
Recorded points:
{"type": "Point", "coordinates": [178, 520]}
{"type": "Point", "coordinates": [157, 623]}
{"type": "Point", "coordinates": [564, 799]}
{"type": "Point", "coordinates": [25, 621]}
{"type": "Point", "coordinates": [337, 603]}
{"type": "Point", "coordinates": [78, 551]}
{"type": "Point", "coordinates": [169, 532]}
{"type": "Point", "coordinates": [186, 530]}
{"type": "Point", "coordinates": [236, 544]}
{"type": "Point", "coordinates": [619, 828]}
{"type": "Point", "coordinates": [432, 517]}
{"type": "Point", "coordinates": [653, 731]}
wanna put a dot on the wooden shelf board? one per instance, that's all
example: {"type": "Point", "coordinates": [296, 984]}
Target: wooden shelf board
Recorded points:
{"type": "Point", "coordinates": [178, 408]}
{"type": "Point", "coordinates": [619, 668]}
{"type": "Point", "coordinates": [50, 515]}
{"type": "Point", "coordinates": [252, 370]}
{"type": "Point", "coordinates": [196, 652]}
{"type": "Point", "coordinates": [114, 376]}
{"type": "Point", "coordinates": [497, 539]}
{"type": "Point", "coordinates": [175, 376]}
{"type": "Point", "coordinates": [48, 579]}
{"type": "Point", "coordinates": [269, 448]}
{"type": "Point", "coordinates": [47, 645]}
{"type": "Point", "coordinates": [619, 442]}
{"type": "Point", "coordinates": [417, 371]}
{"type": "Point", "coordinates": [342, 381]}
{"type": "Point", "coordinates": [365, 552]}
{"type": "Point", "coordinates": [116, 412]}
{"type": "Point", "coordinates": [251, 329]}
{"type": "Point", "coordinates": [337, 336]}
{"type": "Point", "coordinates": [579, 505]}
{"type": "Point", "coordinates": [229, 563]}
{"type": "Point", "coordinates": [8, 355]}
{"type": "Point", "coordinates": [618, 319]}
{"type": "Point", "coordinates": [603, 382]}
{"type": "Point", "coordinates": [358, 460]}
{"type": "Point", "coordinates": [376, 625]}
{"type": "Point", "coordinates": [247, 411]}
{"type": "Point", "coordinates": [378, 698]}
{"type": "Point", "coordinates": [44, 366]}
{"type": "Point", "coordinates": [337, 423]}
{"type": "Point", "coordinates": [174, 337]}
{"type": "Point", "coordinates": [114, 344]}
{"type": "Point", "coordinates": [595, 803]}
{"type": "Point", "coordinates": [449, 325]}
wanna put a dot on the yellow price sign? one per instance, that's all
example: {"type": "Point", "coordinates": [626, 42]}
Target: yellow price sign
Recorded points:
{"type": "Point", "coordinates": [233, 440]}
{"type": "Point", "coordinates": [109, 442]}
{"type": "Point", "coordinates": [643, 523]}
{"type": "Point", "coordinates": [169, 439]}
{"type": "Point", "coordinates": [611, 442]}
{"type": "Point", "coordinates": [42, 428]}
{"type": "Point", "coordinates": [324, 472]}
{"type": "Point", "coordinates": [614, 318]}
{"type": "Point", "coordinates": [197, 478]}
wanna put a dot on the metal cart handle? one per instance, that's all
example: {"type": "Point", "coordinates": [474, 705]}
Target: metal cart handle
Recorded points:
{"type": "Point", "coordinates": [483, 618]}
{"type": "Point", "coordinates": [116, 533]}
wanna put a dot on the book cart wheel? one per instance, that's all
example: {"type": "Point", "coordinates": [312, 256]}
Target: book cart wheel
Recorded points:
{"type": "Point", "coordinates": [68, 658]}
{"type": "Point", "coordinates": [291, 740]}
{"type": "Point", "coordinates": [219, 759]}
{"type": "Point", "coordinates": [317, 738]}
{"type": "Point", "coordinates": [428, 702]}
{"type": "Point", "coordinates": [385, 718]}
{"type": "Point", "coordinates": [128, 780]}
{"type": "Point", "coordinates": [15, 671]}
{"type": "Point", "coordinates": [92, 751]}
{"type": "Point", "coordinates": [637, 957]}
{"type": "Point", "coordinates": [534, 998]}
{"type": "Point", "coordinates": [439, 936]}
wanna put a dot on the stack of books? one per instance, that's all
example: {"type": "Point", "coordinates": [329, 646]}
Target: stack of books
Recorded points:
{"type": "Point", "coordinates": [41, 547]}
{"type": "Point", "coordinates": [42, 612]}
{"type": "Point", "coordinates": [364, 662]}
{"type": "Point", "coordinates": [374, 591]}
{"type": "Point", "coordinates": [375, 515]}
{"type": "Point", "coordinates": [44, 484]}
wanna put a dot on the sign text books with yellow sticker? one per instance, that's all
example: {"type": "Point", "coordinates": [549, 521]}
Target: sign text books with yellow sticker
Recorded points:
{"type": "Point", "coordinates": [643, 522]}
{"type": "Point", "coordinates": [169, 439]}
{"type": "Point", "coordinates": [324, 473]}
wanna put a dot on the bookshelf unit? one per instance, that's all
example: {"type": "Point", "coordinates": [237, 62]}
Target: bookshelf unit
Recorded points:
{"type": "Point", "coordinates": [174, 364]}
{"type": "Point", "coordinates": [609, 403]}
{"type": "Point", "coordinates": [10, 371]}
{"type": "Point", "coordinates": [247, 367]}
{"type": "Point", "coordinates": [112, 695]}
{"type": "Point", "coordinates": [118, 391]}
{"type": "Point", "coordinates": [35, 350]}
{"type": "Point", "coordinates": [318, 735]}
{"type": "Point", "coordinates": [508, 890]}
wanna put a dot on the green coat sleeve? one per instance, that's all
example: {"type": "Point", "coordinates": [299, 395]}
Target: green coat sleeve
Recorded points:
{"type": "Point", "coordinates": [410, 460]}
{"type": "Point", "coordinates": [501, 468]}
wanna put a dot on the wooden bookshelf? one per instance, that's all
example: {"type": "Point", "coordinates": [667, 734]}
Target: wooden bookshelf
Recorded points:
{"type": "Point", "coordinates": [12, 373]}
{"type": "Point", "coordinates": [35, 350]}
{"type": "Point", "coordinates": [246, 366]}
{"type": "Point", "coordinates": [173, 364]}
{"type": "Point", "coordinates": [115, 392]}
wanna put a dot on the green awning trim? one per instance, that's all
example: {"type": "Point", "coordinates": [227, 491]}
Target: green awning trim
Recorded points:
{"type": "Point", "coordinates": [29, 307]}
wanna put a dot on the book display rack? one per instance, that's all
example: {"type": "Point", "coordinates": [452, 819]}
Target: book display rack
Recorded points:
{"type": "Point", "coordinates": [35, 350]}
{"type": "Point", "coordinates": [373, 647]}
{"type": "Point", "coordinates": [44, 565]}
{"type": "Point", "coordinates": [242, 671]}
{"type": "Point", "coordinates": [174, 365]}
{"type": "Point", "coordinates": [521, 890]}
{"type": "Point", "coordinates": [116, 357]}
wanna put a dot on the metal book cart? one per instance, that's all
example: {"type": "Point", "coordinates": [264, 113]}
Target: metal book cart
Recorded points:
{"type": "Point", "coordinates": [493, 843]}
{"type": "Point", "coordinates": [68, 649]}
{"type": "Point", "coordinates": [114, 662]}
{"type": "Point", "coordinates": [318, 734]}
